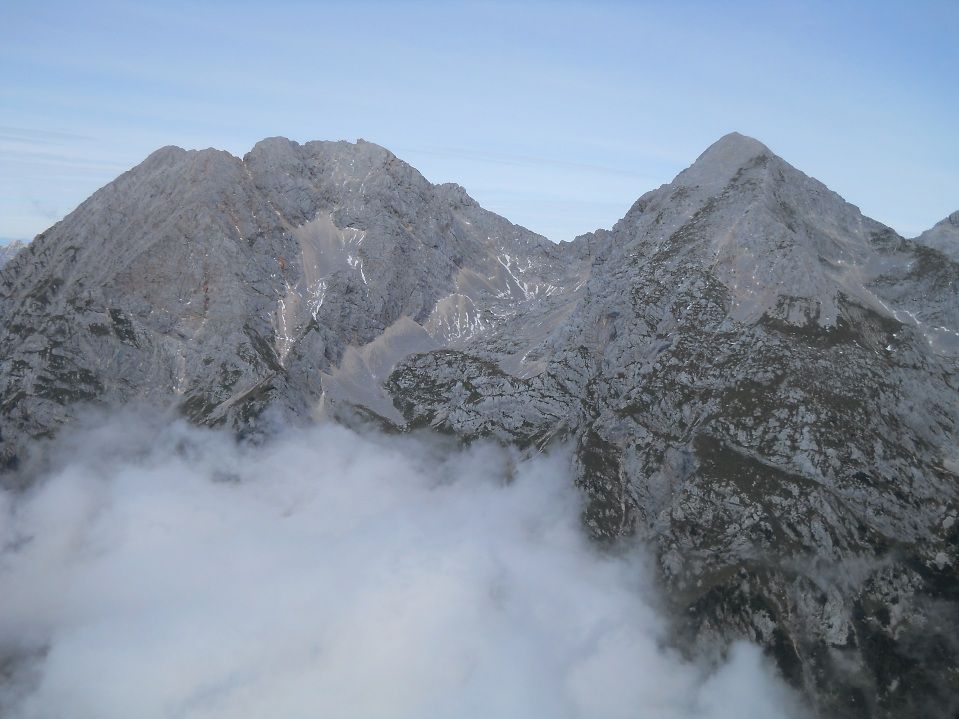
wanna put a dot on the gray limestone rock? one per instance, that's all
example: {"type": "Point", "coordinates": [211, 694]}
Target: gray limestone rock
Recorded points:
{"type": "Point", "coordinates": [758, 380]}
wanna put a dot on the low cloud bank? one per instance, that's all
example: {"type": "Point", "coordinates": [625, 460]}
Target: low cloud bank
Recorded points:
{"type": "Point", "coordinates": [162, 571]}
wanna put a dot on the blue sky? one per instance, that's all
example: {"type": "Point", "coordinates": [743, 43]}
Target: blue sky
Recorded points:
{"type": "Point", "coordinates": [557, 115]}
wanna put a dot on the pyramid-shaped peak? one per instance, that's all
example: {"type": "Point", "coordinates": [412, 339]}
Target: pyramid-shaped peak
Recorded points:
{"type": "Point", "coordinates": [723, 159]}
{"type": "Point", "coordinates": [735, 142]}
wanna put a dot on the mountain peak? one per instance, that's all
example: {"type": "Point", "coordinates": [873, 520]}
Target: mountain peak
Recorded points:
{"type": "Point", "coordinates": [943, 236]}
{"type": "Point", "coordinates": [737, 142]}
{"type": "Point", "coordinates": [723, 159]}
{"type": "Point", "coordinates": [273, 147]}
{"type": "Point", "coordinates": [163, 156]}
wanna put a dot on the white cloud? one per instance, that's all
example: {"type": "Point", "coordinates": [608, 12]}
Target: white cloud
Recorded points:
{"type": "Point", "coordinates": [166, 572]}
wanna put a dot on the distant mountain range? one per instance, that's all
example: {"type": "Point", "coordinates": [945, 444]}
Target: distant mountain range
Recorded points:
{"type": "Point", "coordinates": [759, 381]}
{"type": "Point", "coordinates": [9, 249]}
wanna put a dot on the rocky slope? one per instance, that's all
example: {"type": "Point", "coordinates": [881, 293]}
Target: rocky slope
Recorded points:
{"type": "Point", "coordinates": [760, 381]}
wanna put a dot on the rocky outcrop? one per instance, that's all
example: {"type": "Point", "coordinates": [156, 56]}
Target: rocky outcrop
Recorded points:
{"type": "Point", "coordinates": [759, 381]}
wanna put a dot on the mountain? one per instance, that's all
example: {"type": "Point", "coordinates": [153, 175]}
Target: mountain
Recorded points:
{"type": "Point", "coordinates": [9, 250]}
{"type": "Point", "coordinates": [759, 381]}
{"type": "Point", "coordinates": [230, 285]}
{"type": "Point", "coordinates": [763, 383]}
{"type": "Point", "coordinates": [943, 236]}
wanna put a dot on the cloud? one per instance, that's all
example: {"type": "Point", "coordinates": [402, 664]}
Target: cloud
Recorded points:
{"type": "Point", "coordinates": [161, 570]}
{"type": "Point", "coordinates": [39, 136]}
{"type": "Point", "coordinates": [44, 210]}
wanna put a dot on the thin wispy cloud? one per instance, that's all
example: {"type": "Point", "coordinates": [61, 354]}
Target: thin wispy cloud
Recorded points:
{"type": "Point", "coordinates": [607, 100]}
{"type": "Point", "coordinates": [35, 136]}
{"type": "Point", "coordinates": [45, 210]}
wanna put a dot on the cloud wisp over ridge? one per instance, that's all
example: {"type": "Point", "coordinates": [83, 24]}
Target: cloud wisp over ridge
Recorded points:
{"type": "Point", "coordinates": [161, 570]}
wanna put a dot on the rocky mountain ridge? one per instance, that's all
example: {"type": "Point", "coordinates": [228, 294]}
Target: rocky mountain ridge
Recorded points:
{"type": "Point", "coordinates": [760, 381]}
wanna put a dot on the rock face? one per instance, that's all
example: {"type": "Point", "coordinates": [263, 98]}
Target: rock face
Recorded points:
{"type": "Point", "coordinates": [759, 381]}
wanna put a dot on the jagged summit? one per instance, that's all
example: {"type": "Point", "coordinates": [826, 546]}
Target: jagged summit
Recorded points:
{"type": "Point", "coordinates": [279, 145]}
{"type": "Point", "coordinates": [173, 154]}
{"type": "Point", "coordinates": [269, 150]}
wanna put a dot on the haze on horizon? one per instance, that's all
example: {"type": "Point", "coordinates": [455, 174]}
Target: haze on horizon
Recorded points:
{"type": "Point", "coordinates": [557, 116]}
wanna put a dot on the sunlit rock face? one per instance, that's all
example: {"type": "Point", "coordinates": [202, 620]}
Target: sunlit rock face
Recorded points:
{"type": "Point", "coordinates": [759, 380]}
